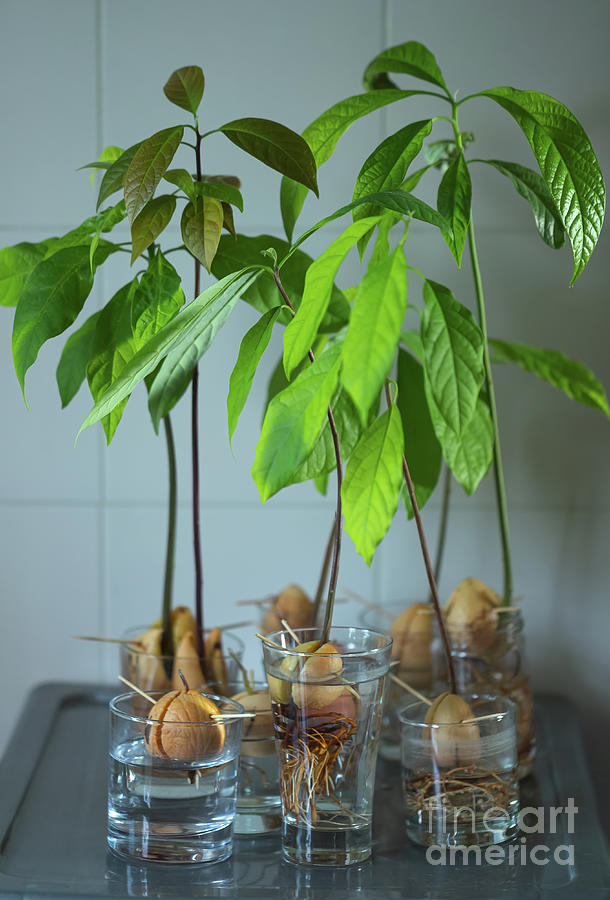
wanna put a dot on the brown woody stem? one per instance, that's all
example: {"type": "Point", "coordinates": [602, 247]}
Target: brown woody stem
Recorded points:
{"type": "Point", "coordinates": [195, 460]}
{"type": "Point", "coordinates": [427, 563]}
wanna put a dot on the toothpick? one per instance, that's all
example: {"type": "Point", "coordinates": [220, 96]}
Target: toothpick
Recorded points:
{"type": "Point", "coordinates": [268, 641]}
{"type": "Point", "coordinates": [105, 640]}
{"type": "Point", "coordinates": [349, 688]}
{"type": "Point", "coordinates": [497, 715]}
{"type": "Point", "coordinates": [233, 716]}
{"type": "Point", "coordinates": [369, 603]}
{"type": "Point", "coordinates": [501, 609]}
{"type": "Point", "coordinates": [290, 631]}
{"type": "Point", "coordinates": [236, 625]}
{"type": "Point", "coordinates": [135, 688]}
{"type": "Point", "coordinates": [407, 687]}
{"type": "Point", "coordinates": [260, 601]}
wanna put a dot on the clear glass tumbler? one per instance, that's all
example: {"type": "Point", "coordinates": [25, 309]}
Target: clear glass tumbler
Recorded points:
{"type": "Point", "coordinates": [327, 717]}
{"type": "Point", "coordinates": [172, 781]}
{"type": "Point", "coordinates": [259, 809]}
{"type": "Point", "coordinates": [155, 672]}
{"type": "Point", "coordinates": [460, 780]}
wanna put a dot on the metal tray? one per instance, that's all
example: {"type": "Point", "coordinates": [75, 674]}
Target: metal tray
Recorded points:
{"type": "Point", "coordinates": [53, 808]}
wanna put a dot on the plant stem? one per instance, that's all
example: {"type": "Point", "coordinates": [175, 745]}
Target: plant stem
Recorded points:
{"type": "Point", "coordinates": [195, 460]}
{"type": "Point", "coordinates": [427, 563]}
{"type": "Point", "coordinates": [334, 574]}
{"type": "Point", "coordinates": [166, 639]}
{"type": "Point", "coordinates": [501, 502]}
{"type": "Point", "coordinates": [498, 467]}
{"type": "Point", "coordinates": [442, 528]}
{"type": "Point", "coordinates": [324, 572]}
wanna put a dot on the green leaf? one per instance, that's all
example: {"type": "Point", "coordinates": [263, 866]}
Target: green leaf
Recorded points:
{"type": "Point", "coordinates": [184, 88]}
{"type": "Point", "coordinates": [115, 176]}
{"type": "Point", "coordinates": [397, 200]}
{"type": "Point", "coordinates": [411, 58]}
{"type": "Point", "coordinates": [228, 222]}
{"type": "Point", "coordinates": [567, 162]}
{"type": "Point", "coordinates": [278, 147]}
{"type": "Point", "coordinates": [300, 333]}
{"type": "Point", "coordinates": [182, 179]}
{"type": "Point", "coordinates": [293, 422]}
{"type": "Point", "coordinates": [75, 356]}
{"type": "Point", "coordinates": [412, 180]}
{"type": "Point", "coordinates": [226, 193]}
{"type": "Point", "coordinates": [148, 166]}
{"type": "Point", "coordinates": [180, 334]}
{"type": "Point", "coordinates": [53, 297]}
{"type": "Point", "coordinates": [453, 201]}
{"type": "Point", "coordinates": [176, 371]}
{"type": "Point", "coordinates": [201, 226]}
{"type": "Point", "coordinates": [150, 222]}
{"type": "Point", "coordinates": [470, 456]}
{"type": "Point", "coordinates": [387, 165]}
{"type": "Point", "coordinates": [88, 231]}
{"type": "Point", "coordinates": [374, 330]}
{"type": "Point", "coordinates": [108, 155]}
{"type": "Point", "coordinates": [532, 188]}
{"type": "Point", "coordinates": [413, 342]}
{"type": "Point", "coordinates": [570, 376]}
{"type": "Point", "coordinates": [321, 483]}
{"type": "Point", "coordinates": [322, 136]}
{"type": "Point", "coordinates": [16, 265]}
{"type": "Point", "coordinates": [263, 295]}
{"type": "Point", "coordinates": [157, 297]}
{"type": "Point", "coordinates": [453, 355]}
{"type": "Point", "coordinates": [251, 350]}
{"type": "Point", "coordinates": [372, 483]}
{"type": "Point", "coordinates": [114, 347]}
{"type": "Point", "coordinates": [422, 449]}
{"type": "Point", "coordinates": [322, 460]}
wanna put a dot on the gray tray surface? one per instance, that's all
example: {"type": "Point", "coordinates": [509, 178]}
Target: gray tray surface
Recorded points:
{"type": "Point", "coordinates": [53, 809]}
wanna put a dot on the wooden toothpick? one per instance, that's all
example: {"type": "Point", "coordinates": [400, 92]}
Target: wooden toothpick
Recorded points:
{"type": "Point", "coordinates": [269, 641]}
{"type": "Point", "coordinates": [290, 631]}
{"type": "Point", "coordinates": [106, 640]}
{"type": "Point", "coordinates": [497, 715]}
{"type": "Point", "coordinates": [407, 687]}
{"type": "Point", "coordinates": [135, 688]}
{"type": "Point", "coordinates": [233, 715]}
{"type": "Point", "coordinates": [369, 604]}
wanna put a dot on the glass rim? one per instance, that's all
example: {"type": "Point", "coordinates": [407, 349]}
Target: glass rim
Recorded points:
{"type": "Point", "coordinates": [419, 722]}
{"type": "Point", "coordinates": [220, 701]}
{"type": "Point", "coordinates": [291, 651]}
{"type": "Point", "coordinates": [140, 629]}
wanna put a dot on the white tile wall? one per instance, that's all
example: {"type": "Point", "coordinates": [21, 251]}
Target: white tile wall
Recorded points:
{"type": "Point", "coordinates": [82, 528]}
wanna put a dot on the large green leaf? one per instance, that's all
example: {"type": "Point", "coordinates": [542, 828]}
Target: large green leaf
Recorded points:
{"type": "Point", "coordinates": [374, 330]}
{"type": "Point", "coordinates": [179, 333]}
{"type": "Point", "coordinates": [398, 201]}
{"type": "Point", "coordinates": [422, 449]}
{"type": "Point", "coordinates": [411, 58]}
{"type": "Point", "coordinates": [72, 366]}
{"type": "Point", "coordinates": [183, 180]}
{"type": "Point", "coordinates": [453, 355]}
{"type": "Point", "coordinates": [236, 253]}
{"type": "Point", "coordinates": [53, 297]}
{"type": "Point", "coordinates": [372, 483]}
{"type": "Point", "coordinates": [88, 231]}
{"type": "Point", "coordinates": [114, 347]}
{"type": "Point", "coordinates": [184, 87]}
{"type": "Point", "coordinates": [114, 177]}
{"type": "Point", "coordinates": [387, 165]}
{"type": "Point", "coordinates": [278, 147]}
{"type": "Point", "coordinates": [150, 222]}
{"type": "Point", "coordinates": [322, 136]}
{"type": "Point", "coordinates": [226, 193]}
{"type": "Point", "coordinates": [570, 376]}
{"type": "Point", "coordinates": [176, 371]}
{"type": "Point", "coordinates": [201, 226]}
{"type": "Point", "coordinates": [301, 332]}
{"type": "Point", "coordinates": [532, 188]}
{"type": "Point", "coordinates": [293, 422]}
{"type": "Point", "coordinates": [157, 297]}
{"type": "Point", "coordinates": [453, 201]}
{"type": "Point", "coordinates": [251, 349]}
{"type": "Point", "coordinates": [148, 166]}
{"type": "Point", "coordinates": [16, 265]}
{"type": "Point", "coordinates": [322, 459]}
{"type": "Point", "coordinates": [567, 162]}
{"type": "Point", "coordinates": [470, 456]}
